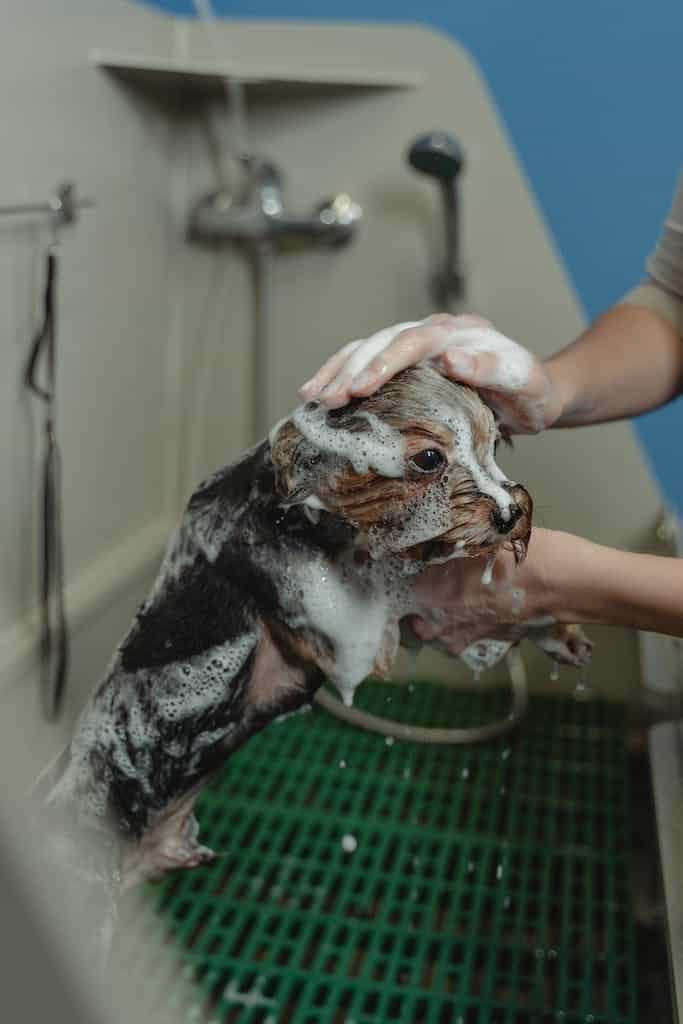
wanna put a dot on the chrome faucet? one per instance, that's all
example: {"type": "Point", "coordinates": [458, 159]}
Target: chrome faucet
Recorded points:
{"type": "Point", "coordinates": [260, 215]}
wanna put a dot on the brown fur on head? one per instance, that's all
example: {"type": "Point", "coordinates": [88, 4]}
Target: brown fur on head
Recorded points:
{"type": "Point", "coordinates": [442, 490]}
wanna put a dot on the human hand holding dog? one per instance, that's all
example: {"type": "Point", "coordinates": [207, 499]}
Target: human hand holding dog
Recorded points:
{"type": "Point", "coordinates": [458, 609]}
{"type": "Point", "coordinates": [464, 614]}
{"type": "Point", "coordinates": [510, 379]}
{"type": "Point", "coordinates": [563, 577]}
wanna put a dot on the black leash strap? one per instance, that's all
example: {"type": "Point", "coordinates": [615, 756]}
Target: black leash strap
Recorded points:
{"type": "Point", "coordinates": [54, 640]}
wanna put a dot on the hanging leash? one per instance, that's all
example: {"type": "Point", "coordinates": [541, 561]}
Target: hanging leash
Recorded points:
{"type": "Point", "coordinates": [54, 638]}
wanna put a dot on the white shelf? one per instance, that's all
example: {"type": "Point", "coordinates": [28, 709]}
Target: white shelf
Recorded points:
{"type": "Point", "coordinates": [180, 76]}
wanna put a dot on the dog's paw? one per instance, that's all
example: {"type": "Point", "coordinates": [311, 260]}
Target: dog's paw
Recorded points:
{"type": "Point", "coordinates": [484, 654]}
{"type": "Point", "coordinates": [565, 644]}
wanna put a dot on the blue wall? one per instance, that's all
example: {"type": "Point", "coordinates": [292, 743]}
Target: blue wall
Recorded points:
{"type": "Point", "coordinates": [592, 94]}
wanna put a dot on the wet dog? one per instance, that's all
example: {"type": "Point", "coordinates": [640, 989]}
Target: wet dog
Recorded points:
{"type": "Point", "coordinates": [291, 566]}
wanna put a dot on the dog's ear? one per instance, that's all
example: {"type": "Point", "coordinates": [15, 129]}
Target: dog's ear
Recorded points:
{"type": "Point", "coordinates": [282, 452]}
{"type": "Point", "coordinates": [294, 460]}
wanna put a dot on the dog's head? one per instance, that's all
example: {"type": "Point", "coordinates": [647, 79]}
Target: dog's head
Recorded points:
{"type": "Point", "coordinates": [412, 468]}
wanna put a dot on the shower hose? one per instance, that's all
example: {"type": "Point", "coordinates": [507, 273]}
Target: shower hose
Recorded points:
{"type": "Point", "coordinates": [421, 734]}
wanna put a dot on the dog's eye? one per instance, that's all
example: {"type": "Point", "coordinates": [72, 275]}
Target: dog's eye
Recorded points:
{"type": "Point", "coordinates": [428, 461]}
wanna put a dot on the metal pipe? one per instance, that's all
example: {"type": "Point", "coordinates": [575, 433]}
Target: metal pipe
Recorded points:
{"type": "Point", "coordinates": [233, 87]}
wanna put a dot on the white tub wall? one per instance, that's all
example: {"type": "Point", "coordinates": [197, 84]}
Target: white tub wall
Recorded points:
{"type": "Point", "coordinates": [62, 119]}
{"type": "Point", "coordinates": [139, 310]}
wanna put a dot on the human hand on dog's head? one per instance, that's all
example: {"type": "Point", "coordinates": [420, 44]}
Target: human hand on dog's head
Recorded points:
{"type": "Point", "coordinates": [510, 379]}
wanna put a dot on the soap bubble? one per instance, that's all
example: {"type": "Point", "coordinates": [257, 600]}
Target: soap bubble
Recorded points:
{"type": "Point", "coordinates": [349, 843]}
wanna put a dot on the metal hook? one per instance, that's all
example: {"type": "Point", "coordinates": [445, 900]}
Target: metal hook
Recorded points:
{"type": "Point", "coordinates": [63, 205]}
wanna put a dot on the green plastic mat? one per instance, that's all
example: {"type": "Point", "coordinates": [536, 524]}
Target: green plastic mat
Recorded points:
{"type": "Point", "coordinates": [488, 885]}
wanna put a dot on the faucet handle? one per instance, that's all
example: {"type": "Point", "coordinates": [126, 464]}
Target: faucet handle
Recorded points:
{"type": "Point", "coordinates": [338, 216]}
{"type": "Point", "coordinates": [266, 185]}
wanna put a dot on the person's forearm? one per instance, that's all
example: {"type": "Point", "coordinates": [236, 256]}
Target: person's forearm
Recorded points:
{"type": "Point", "coordinates": [628, 362]}
{"type": "Point", "coordinates": [587, 583]}
{"type": "Point", "coordinates": [631, 359]}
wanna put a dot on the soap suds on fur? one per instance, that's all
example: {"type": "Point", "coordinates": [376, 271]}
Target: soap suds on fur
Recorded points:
{"type": "Point", "coordinates": [379, 448]}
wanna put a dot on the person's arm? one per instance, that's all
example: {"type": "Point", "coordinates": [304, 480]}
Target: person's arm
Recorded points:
{"type": "Point", "coordinates": [628, 362]}
{"type": "Point", "coordinates": [564, 577]}
{"type": "Point", "coordinates": [588, 583]}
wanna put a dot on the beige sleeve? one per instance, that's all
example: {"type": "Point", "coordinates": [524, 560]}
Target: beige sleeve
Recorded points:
{"type": "Point", "coordinates": [662, 290]}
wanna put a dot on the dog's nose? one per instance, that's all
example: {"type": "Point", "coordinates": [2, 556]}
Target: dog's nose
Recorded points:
{"type": "Point", "coordinates": [503, 525]}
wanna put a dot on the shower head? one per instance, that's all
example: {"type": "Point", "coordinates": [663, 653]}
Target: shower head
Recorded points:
{"type": "Point", "coordinates": [440, 156]}
{"type": "Point", "coordinates": [436, 154]}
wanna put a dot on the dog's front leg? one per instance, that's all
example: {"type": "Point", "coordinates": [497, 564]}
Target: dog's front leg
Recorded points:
{"type": "Point", "coordinates": [565, 644]}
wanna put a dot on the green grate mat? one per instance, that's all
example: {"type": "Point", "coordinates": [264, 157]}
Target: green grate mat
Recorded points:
{"type": "Point", "coordinates": [489, 884]}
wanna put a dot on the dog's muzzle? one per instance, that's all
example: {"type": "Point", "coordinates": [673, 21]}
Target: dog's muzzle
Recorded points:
{"type": "Point", "coordinates": [480, 527]}
{"type": "Point", "coordinates": [515, 522]}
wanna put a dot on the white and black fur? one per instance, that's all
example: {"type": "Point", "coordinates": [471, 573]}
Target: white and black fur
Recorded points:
{"type": "Point", "coordinates": [228, 640]}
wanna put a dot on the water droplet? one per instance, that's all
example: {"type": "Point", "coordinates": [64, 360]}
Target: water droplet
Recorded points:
{"type": "Point", "coordinates": [554, 673]}
{"type": "Point", "coordinates": [406, 773]}
{"type": "Point", "coordinates": [465, 773]}
{"type": "Point", "coordinates": [342, 764]}
{"type": "Point", "coordinates": [349, 843]}
{"type": "Point", "coordinates": [499, 872]}
{"type": "Point", "coordinates": [582, 692]}
{"type": "Point", "coordinates": [505, 754]}
{"type": "Point", "coordinates": [388, 700]}
{"type": "Point", "coordinates": [470, 867]}
{"type": "Point", "coordinates": [411, 688]}
{"type": "Point", "coordinates": [389, 740]}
